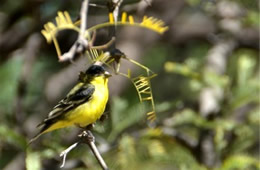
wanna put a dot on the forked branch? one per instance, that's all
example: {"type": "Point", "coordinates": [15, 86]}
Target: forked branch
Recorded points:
{"type": "Point", "coordinates": [85, 137]}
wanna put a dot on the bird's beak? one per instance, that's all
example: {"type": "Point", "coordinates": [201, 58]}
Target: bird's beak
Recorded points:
{"type": "Point", "coordinates": [107, 74]}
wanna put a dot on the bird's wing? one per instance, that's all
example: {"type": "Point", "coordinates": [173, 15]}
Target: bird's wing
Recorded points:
{"type": "Point", "coordinates": [81, 93]}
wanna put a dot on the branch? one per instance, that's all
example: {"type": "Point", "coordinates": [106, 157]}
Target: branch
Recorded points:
{"type": "Point", "coordinates": [84, 40]}
{"type": "Point", "coordinates": [85, 137]}
{"type": "Point", "coordinates": [91, 142]}
{"type": "Point", "coordinates": [66, 151]}
{"type": "Point", "coordinates": [117, 4]}
{"type": "Point", "coordinates": [113, 7]}
{"type": "Point", "coordinates": [81, 43]}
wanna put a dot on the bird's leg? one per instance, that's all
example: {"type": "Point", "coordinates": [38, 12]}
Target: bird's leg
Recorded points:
{"type": "Point", "coordinates": [87, 134]}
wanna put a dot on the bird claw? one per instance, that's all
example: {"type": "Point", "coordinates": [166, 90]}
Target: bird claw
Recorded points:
{"type": "Point", "coordinates": [86, 134]}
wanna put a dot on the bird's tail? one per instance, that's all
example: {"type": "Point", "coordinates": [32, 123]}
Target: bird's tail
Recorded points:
{"type": "Point", "coordinates": [44, 129]}
{"type": "Point", "coordinates": [35, 138]}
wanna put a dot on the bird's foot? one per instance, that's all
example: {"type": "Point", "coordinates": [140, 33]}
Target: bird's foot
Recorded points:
{"type": "Point", "coordinates": [87, 134]}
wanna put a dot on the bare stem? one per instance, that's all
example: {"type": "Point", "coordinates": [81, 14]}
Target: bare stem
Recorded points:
{"type": "Point", "coordinates": [114, 8]}
{"type": "Point", "coordinates": [83, 16]}
{"type": "Point", "coordinates": [91, 142]}
{"type": "Point", "coordinates": [85, 137]}
{"type": "Point", "coordinates": [82, 42]}
{"type": "Point", "coordinates": [66, 151]}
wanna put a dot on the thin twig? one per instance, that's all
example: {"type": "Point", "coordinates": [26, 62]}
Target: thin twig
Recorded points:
{"type": "Point", "coordinates": [108, 44]}
{"type": "Point", "coordinates": [85, 137]}
{"type": "Point", "coordinates": [83, 16]}
{"type": "Point", "coordinates": [98, 6]}
{"type": "Point", "coordinates": [91, 142]}
{"type": "Point", "coordinates": [66, 151]}
{"type": "Point", "coordinates": [114, 8]}
{"type": "Point", "coordinates": [81, 43]}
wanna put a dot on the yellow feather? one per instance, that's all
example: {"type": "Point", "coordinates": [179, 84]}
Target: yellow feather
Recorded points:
{"type": "Point", "coordinates": [88, 112]}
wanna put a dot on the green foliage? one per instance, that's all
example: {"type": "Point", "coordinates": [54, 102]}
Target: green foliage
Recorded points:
{"type": "Point", "coordinates": [32, 160]}
{"type": "Point", "coordinates": [9, 74]}
{"type": "Point", "coordinates": [10, 136]}
{"type": "Point", "coordinates": [240, 162]}
{"type": "Point", "coordinates": [152, 152]}
{"type": "Point", "coordinates": [252, 19]}
{"type": "Point", "coordinates": [180, 69]}
{"type": "Point", "coordinates": [242, 90]}
{"type": "Point", "coordinates": [34, 90]}
{"type": "Point", "coordinates": [248, 75]}
{"type": "Point", "coordinates": [122, 117]}
{"type": "Point", "coordinates": [124, 138]}
{"type": "Point", "coordinates": [11, 142]}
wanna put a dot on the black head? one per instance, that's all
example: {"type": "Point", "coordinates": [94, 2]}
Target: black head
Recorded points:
{"type": "Point", "coordinates": [96, 70]}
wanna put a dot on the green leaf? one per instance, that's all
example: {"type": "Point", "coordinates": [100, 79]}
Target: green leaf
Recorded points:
{"type": "Point", "coordinates": [193, 2]}
{"type": "Point", "coordinates": [188, 116]}
{"type": "Point", "coordinates": [9, 74]}
{"type": "Point", "coordinates": [246, 65]}
{"type": "Point", "coordinates": [240, 162]}
{"type": "Point", "coordinates": [245, 138]}
{"type": "Point", "coordinates": [32, 161]}
{"type": "Point", "coordinates": [254, 117]}
{"type": "Point", "coordinates": [12, 137]}
{"type": "Point", "coordinates": [212, 79]}
{"type": "Point", "coordinates": [182, 69]}
{"type": "Point", "coordinates": [123, 117]}
{"type": "Point", "coordinates": [252, 18]}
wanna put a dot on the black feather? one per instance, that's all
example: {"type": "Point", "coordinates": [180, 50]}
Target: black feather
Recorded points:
{"type": "Point", "coordinates": [95, 70]}
{"type": "Point", "coordinates": [82, 95]}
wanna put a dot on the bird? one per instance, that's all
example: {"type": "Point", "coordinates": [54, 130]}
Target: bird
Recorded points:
{"type": "Point", "coordinates": [83, 105]}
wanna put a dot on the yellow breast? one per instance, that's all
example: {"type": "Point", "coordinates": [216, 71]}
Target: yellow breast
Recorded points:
{"type": "Point", "coordinates": [92, 110]}
{"type": "Point", "coordinates": [88, 112]}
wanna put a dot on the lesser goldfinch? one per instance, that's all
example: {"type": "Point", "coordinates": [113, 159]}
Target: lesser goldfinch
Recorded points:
{"type": "Point", "coordinates": [83, 105]}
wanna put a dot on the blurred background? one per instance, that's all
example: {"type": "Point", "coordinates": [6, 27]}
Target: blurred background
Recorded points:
{"type": "Point", "coordinates": [206, 92]}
